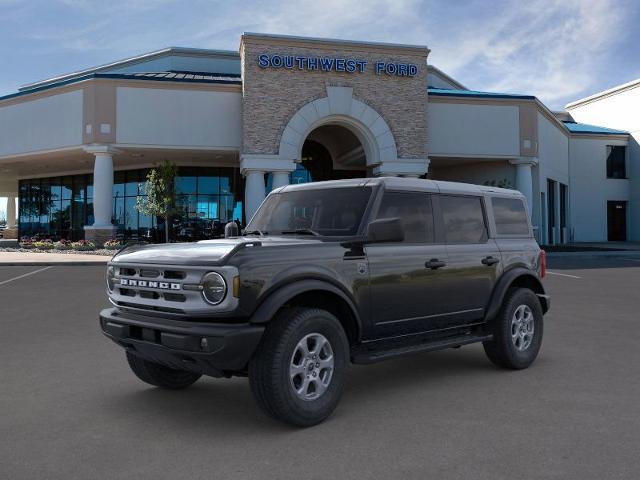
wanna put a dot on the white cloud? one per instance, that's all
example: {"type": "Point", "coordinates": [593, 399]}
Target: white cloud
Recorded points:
{"type": "Point", "coordinates": [550, 48]}
{"type": "Point", "coordinates": [553, 49]}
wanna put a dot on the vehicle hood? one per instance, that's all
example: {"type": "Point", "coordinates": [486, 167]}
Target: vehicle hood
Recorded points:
{"type": "Point", "coordinates": [206, 252]}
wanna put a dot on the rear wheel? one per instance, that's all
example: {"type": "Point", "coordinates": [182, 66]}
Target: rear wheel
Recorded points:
{"type": "Point", "coordinates": [517, 330]}
{"type": "Point", "coordinates": [297, 374]}
{"type": "Point", "coordinates": [159, 375]}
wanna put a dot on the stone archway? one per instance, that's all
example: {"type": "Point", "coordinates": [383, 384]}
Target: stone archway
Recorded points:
{"type": "Point", "coordinates": [340, 108]}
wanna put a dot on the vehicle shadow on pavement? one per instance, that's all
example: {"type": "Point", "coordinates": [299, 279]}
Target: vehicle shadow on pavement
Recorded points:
{"type": "Point", "coordinates": [228, 405]}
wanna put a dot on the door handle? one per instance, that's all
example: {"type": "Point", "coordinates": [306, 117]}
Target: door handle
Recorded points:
{"type": "Point", "coordinates": [434, 264]}
{"type": "Point", "coordinates": [488, 261]}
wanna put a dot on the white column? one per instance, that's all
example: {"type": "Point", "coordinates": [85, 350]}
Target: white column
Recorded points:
{"type": "Point", "coordinates": [103, 190]}
{"type": "Point", "coordinates": [102, 229]}
{"type": "Point", "coordinates": [254, 191]}
{"type": "Point", "coordinates": [11, 212]}
{"type": "Point", "coordinates": [253, 167]}
{"type": "Point", "coordinates": [280, 179]}
{"type": "Point", "coordinates": [524, 178]}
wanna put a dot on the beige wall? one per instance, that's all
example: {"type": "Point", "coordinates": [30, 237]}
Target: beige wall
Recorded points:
{"type": "Point", "coordinates": [272, 96]}
{"type": "Point", "coordinates": [45, 123]}
{"type": "Point", "coordinates": [179, 117]}
{"type": "Point", "coordinates": [473, 129]}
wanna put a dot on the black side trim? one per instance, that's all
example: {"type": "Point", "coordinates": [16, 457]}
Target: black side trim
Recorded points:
{"type": "Point", "coordinates": [505, 281]}
{"type": "Point", "coordinates": [372, 356]}
{"type": "Point", "coordinates": [279, 297]}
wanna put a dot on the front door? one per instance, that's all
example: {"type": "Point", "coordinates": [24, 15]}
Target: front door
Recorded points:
{"type": "Point", "coordinates": [617, 221]}
{"type": "Point", "coordinates": [474, 259]}
{"type": "Point", "coordinates": [406, 295]}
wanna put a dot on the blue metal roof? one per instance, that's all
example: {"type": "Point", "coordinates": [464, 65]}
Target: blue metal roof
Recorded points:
{"type": "Point", "coordinates": [175, 75]}
{"type": "Point", "coordinates": [187, 77]}
{"type": "Point", "coordinates": [445, 92]}
{"type": "Point", "coordinates": [575, 127]}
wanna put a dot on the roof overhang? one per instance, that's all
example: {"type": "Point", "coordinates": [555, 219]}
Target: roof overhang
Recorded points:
{"type": "Point", "coordinates": [604, 94]}
{"type": "Point", "coordinates": [145, 57]}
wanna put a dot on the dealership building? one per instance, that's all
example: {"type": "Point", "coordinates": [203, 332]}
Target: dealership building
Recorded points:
{"type": "Point", "coordinates": [75, 150]}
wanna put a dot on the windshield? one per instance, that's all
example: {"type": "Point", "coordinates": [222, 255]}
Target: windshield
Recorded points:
{"type": "Point", "coordinates": [333, 212]}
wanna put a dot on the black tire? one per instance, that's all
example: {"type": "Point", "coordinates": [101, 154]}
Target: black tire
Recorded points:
{"type": "Point", "coordinates": [159, 375]}
{"type": "Point", "coordinates": [269, 374]}
{"type": "Point", "coordinates": [501, 350]}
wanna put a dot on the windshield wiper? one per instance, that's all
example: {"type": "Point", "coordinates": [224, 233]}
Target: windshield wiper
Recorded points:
{"type": "Point", "coordinates": [255, 232]}
{"type": "Point", "coordinates": [301, 231]}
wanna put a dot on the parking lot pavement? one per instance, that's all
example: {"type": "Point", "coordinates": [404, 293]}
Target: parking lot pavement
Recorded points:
{"type": "Point", "coordinates": [71, 409]}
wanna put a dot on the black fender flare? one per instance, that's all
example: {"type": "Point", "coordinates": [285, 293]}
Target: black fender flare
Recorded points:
{"type": "Point", "coordinates": [281, 295]}
{"type": "Point", "coordinates": [504, 283]}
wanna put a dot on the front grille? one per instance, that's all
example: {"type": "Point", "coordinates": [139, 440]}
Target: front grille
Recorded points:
{"type": "Point", "coordinates": [174, 275]}
{"type": "Point", "coordinates": [164, 288]}
{"type": "Point", "coordinates": [147, 273]}
{"type": "Point", "coordinates": [174, 297]}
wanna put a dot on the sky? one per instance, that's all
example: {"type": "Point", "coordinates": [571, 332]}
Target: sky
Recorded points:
{"type": "Point", "coordinates": [558, 50]}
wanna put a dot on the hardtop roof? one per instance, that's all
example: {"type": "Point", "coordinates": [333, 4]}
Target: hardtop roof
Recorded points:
{"type": "Point", "coordinates": [400, 183]}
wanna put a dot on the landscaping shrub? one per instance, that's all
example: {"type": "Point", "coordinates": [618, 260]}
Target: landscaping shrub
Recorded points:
{"type": "Point", "coordinates": [83, 245]}
{"type": "Point", "coordinates": [113, 244]}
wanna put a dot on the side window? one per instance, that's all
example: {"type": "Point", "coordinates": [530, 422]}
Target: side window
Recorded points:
{"type": "Point", "coordinates": [414, 209]}
{"type": "Point", "coordinates": [463, 219]}
{"type": "Point", "coordinates": [510, 216]}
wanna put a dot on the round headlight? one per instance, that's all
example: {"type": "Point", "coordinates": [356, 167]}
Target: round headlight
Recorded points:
{"type": "Point", "coordinates": [111, 274]}
{"type": "Point", "coordinates": [214, 288]}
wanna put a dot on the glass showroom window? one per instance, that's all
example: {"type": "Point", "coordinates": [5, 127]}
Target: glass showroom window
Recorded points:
{"type": "Point", "coordinates": [131, 224]}
{"type": "Point", "coordinates": [56, 207]}
{"type": "Point", "coordinates": [206, 199]}
{"type": "Point", "coordinates": [60, 207]}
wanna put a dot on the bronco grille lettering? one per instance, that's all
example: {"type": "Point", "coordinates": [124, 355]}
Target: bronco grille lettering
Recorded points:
{"type": "Point", "coordinates": [130, 282]}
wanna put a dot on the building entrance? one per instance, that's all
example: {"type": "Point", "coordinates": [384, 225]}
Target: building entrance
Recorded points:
{"type": "Point", "coordinates": [332, 152]}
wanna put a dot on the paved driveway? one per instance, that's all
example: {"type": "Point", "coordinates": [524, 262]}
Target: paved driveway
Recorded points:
{"type": "Point", "coordinates": [72, 410]}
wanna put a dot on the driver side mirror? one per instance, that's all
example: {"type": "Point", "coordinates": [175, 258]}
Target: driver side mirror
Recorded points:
{"type": "Point", "coordinates": [385, 230]}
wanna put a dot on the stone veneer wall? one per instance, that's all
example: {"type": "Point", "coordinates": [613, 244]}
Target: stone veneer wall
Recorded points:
{"type": "Point", "coordinates": [271, 96]}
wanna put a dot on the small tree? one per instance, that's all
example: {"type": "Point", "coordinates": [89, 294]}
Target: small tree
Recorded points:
{"type": "Point", "coordinates": [160, 193]}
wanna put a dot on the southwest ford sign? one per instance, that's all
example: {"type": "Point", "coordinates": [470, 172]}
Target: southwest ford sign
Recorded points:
{"type": "Point", "coordinates": [336, 64]}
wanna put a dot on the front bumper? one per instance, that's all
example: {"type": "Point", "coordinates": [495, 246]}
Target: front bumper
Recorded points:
{"type": "Point", "coordinates": [213, 349]}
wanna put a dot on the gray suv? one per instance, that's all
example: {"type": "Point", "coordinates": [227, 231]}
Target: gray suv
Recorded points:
{"type": "Point", "coordinates": [332, 273]}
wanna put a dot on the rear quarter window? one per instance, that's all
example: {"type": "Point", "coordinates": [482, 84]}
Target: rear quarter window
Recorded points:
{"type": "Point", "coordinates": [510, 216]}
{"type": "Point", "coordinates": [463, 218]}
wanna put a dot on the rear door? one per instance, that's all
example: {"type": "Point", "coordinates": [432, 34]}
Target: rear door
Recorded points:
{"type": "Point", "coordinates": [406, 295]}
{"type": "Point", "coordinates": [473, 258]}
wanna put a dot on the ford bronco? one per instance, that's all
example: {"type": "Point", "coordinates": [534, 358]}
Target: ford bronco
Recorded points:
{"type": "Point", "coordinates": [332, 273]}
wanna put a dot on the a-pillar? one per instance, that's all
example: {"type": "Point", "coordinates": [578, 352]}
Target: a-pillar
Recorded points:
{"type": "Point", "coordinates": [524, 178]}
{"type": "Point", "coordinates": [102, 229]}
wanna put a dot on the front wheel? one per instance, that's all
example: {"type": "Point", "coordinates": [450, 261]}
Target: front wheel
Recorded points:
{"type": "Point", "coordinates": [517, 330]}
{"type": "Point", "coordinates": [297, 374]}
{"type": "Point", "coordinates": [159, 375]}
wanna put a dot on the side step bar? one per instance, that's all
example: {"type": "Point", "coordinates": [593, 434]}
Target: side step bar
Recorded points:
{"type": "Point", "coordinates": [366, 356]}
